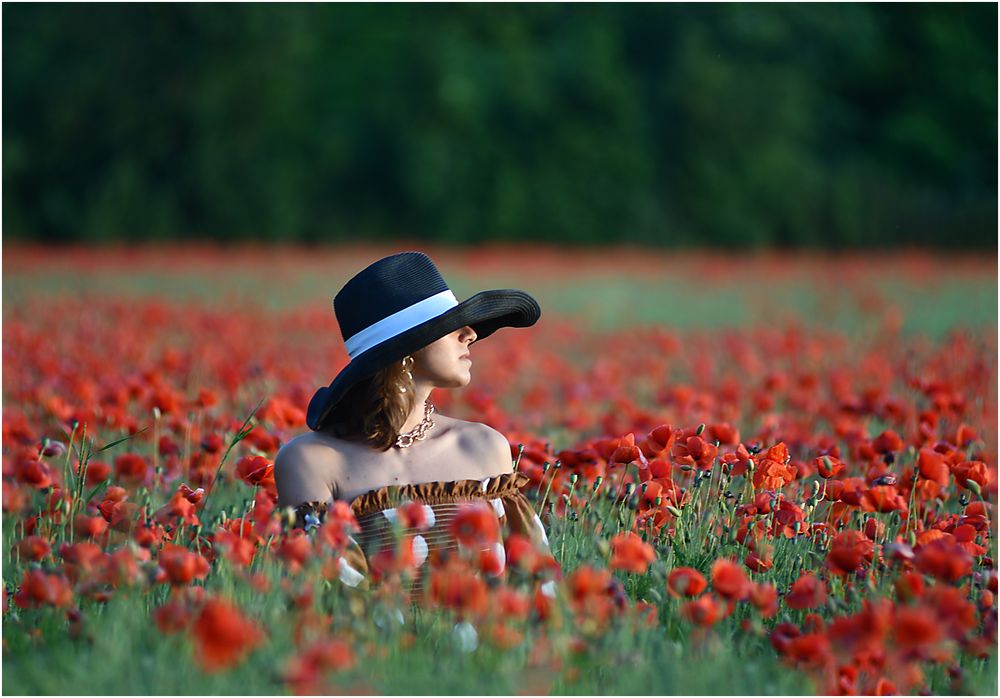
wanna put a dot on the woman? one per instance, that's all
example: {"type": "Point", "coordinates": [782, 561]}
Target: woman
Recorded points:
{"type": "Point", "coordinates": [376, 439]}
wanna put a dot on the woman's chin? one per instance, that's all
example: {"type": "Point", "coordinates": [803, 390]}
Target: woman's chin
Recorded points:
{"type": "Point", "coordinates": [458, 380]}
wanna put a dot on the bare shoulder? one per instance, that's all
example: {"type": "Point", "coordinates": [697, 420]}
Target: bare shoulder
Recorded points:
{"type": "Point", "coordinates": [308, 468]}
{"type": "Point", "coordinates": [484, 444]}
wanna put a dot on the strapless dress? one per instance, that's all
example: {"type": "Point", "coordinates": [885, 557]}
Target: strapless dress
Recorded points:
{"type": "Point", "coordinates": [376, 514]}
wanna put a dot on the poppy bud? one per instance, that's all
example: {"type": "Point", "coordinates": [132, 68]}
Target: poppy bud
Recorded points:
{"type": "Point", "coordinates": [573, 478]}
{"type": "Point", "coordinates": [974, 486]}
{"type": "Point", "coordinates": [545, 466]}
{"type": "Point", "coordinates": [597, 482]}
{"type": "Point", "coordinates": [558, 464]}
{"type": "Point", "coordinates": [53, 448]}
{"type": "Point", "coordinates": [700, 429]}
{"type": "Point", "coordinates": [674, 510]}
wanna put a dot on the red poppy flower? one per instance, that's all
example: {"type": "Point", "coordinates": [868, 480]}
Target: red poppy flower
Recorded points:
{"type": "Point", "coordinates": [305, 671]}
{"type": "Point", "coordinates": [97, 472]}
{"type": "Point", "coordinates": [883, 499]}
{"type": "Point", "coordinates": [626, 451]}
{"type": "Point", "coordinates": [586, 581]}
{"type": "Point", "coordinates": [193, 496]}
{"type": "Point", "coordinates": [931, 466]}
{"type": "Point", "coordinates": [976, 471]}
{"type": "Point", "coordinates": [691, 449]}
{"type": "Point", "coordinates": [951, 605]}
{"type": "Point", "coordinates": [808, 591]}
{"type": "Point", "coordinates": [811, 650]}
{"type": "Point", "coordinates": [730, 581]}
{"type": "Point", "coordinates": [338, 525]}
{"type": "Point", "coordinates": [223, 635]}
{"type": "Point", "coordinates": [520, 552]}
{"type": "Point", "coordinates": [511, 603]}
{"type": "Point", "coordinates": [660, 439]}
{"type": "Point", "coordinates": [782, 635]}
{"type": "Point", "coordinates": [684, 581]}
{"type": "Point", "coordinates": [773, 470]}
{"type": "Point", "coordinates": [245, 528]}
{"type": "Point", "coordinates": [828, 466]}
{"type": "Point", "coordinates": [32, 472]}
{"type": "Point", "coordinates": [915, 628]}
{"type": "Point", "coordinates": [412, 515]}
{"type": "Point", "coordinates": [131, 467]}
{"type": "Point", "coordinates": [909, 586]}
{"type": "Point", "coordinates": [181, 565]}
{"type": "Point", "coordinates": [394, 558]}
{"type": "Point", "coordinates": [295, 550]}
{"type": "Point", "coordinates": [631, 553]}
{"type": "Point", "coordinates": [758, 560]}
{"type": "Point", "coordinates": [738, 461]}
{"type": "Point", "coordinates": [885, 687]}
{"type": "Point", "coordinates": [459, 589]}
{"type": "Point", "coordinates": [256, 471]}
{"type": "Point", "coordinates": [89, 526]}
{"type": "Point", "coordinates": [847, 551]}
{"type": "Point", "coordinates": [173, 616]}
{"type": "Point", "coordinates": [179, 507]}
{"type": "Point", "coordinates": [34, 548]}
{"type": "Point", "coordinates": [475, 524]}
{"type": "Point", "coordinates": [723, 432]}
{"type": "Point", "coordinates": [489, 562]}
{"type": "Point", "coordinates": [81, 559]}
{"type": "Point", "coordinates": [703, 611]}
{"type": "Point", "coordinates": [764, 598]}
{"type": "Point", "coordinates": [965, 536]}
{"type": "Point", "coordinates": [41, 589]}
{"type": "Point", "coordinates": [944, 559]}
{"type": "Point", "coordinates": [887, 442]}
{"type": "Point", "coordinates": [237, 549]}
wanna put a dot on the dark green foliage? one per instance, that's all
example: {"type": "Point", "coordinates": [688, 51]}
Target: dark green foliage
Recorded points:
{"type": "Point", "coordinates": [728, 125]}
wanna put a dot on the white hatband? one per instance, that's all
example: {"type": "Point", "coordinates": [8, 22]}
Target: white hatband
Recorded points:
{"type": "Point", "coordinates": [399, 322]}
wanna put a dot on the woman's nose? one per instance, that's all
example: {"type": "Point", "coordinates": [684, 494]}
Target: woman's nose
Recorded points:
{"type": "Point", "coordinates": [468, 334]}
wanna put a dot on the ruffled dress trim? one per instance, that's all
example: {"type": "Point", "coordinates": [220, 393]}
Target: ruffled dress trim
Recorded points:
{"type": "Point", "coordinates": [389, 496]}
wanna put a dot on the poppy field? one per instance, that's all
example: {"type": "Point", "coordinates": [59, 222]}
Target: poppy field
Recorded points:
{"type": "Point", "coordinates": [768, 474]}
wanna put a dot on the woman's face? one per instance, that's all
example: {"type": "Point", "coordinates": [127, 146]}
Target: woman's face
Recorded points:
{"type": "Point", "coordinates": [445, 363]}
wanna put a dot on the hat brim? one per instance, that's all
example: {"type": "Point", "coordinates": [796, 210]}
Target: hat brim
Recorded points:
{"type": "Point", "coordinates": [486, 312]}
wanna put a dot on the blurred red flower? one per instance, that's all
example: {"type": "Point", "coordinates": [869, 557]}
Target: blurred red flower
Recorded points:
{"type": "Point", "coordinates": [684, 581]}
{"type": "Point", "coordinates": [944, 559]}
{"type": "Point", "coordinates": [808, 591]}
{"type": "Point", "coordinates": [475, 524]}
{"type": "Point", "coordinates": [631, 553]}
{"type": "Point", "coordinates": [223, 635]}
{"type": "Point", "coordinates": [703, 611]}
{"type": "Point", "coordinates": [730, 581]}
{"type": "Point", "coordinates": [181, 565]}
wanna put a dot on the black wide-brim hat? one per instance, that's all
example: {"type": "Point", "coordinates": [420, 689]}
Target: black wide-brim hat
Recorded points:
{"type": "Point", "coordinates": [399, 305]}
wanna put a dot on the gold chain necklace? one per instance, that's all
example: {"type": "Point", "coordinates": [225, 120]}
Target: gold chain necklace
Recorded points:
{"type": "Point", "coordinates": [418, 432]}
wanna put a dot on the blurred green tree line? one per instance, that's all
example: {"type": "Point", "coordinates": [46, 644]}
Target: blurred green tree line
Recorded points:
{"type": "Point", "coordinates": [836, 125]}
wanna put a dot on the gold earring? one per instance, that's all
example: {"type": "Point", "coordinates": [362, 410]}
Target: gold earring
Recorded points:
{"type": "Point", "coordinates": [407, 365]}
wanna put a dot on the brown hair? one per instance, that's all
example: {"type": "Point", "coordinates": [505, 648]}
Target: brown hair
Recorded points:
{"type": "Point", "coordinates": [374, 410]}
